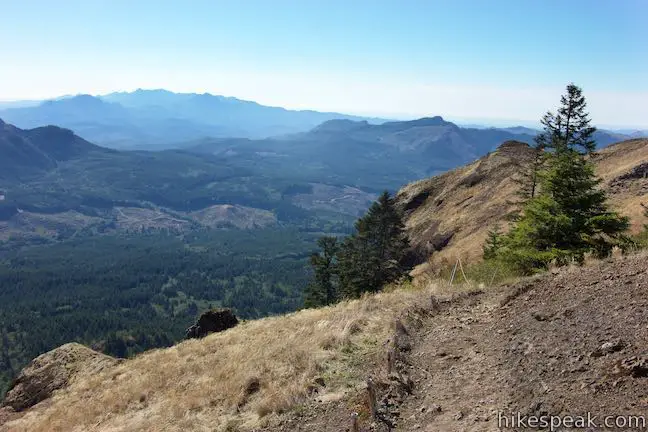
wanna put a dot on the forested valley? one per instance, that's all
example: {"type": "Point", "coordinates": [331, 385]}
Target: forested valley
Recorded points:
{"type": "Point", "coordinates": [124, 294]}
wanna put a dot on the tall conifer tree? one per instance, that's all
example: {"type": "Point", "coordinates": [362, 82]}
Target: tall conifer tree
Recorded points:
{"type": "Point", "coordinates": [323, 290]}
{"type": "Point", "coordinates": [375, 254]}
{"type": "Point", "coordinates": [569, 215]}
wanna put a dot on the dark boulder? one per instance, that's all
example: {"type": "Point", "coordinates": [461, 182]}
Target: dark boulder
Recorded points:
{"type": "Point", "coordinates": [212, 321]}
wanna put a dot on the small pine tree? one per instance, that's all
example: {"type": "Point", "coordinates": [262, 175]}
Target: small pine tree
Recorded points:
{"type": "Point", "coordinates": [569, 215]}
{"type": "Point", "coordinates": [322, 290]}
{"type": "Point", "coordinates": [493, 243]}
{"type": "Point", "coordinates": [528, 180]}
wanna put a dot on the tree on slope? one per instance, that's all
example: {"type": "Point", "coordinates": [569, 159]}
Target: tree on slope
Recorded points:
{"type": "Point", "coordinates": [388, 238]}
{"type": "Point", "coordinates": [642, 238]}
{"type": "Point", "coordinates": [528, 179]}
{"type": "Point", "coordinates": [493, 243]}
{"type": "Point", "coordinates": [357, 263]}
{"type": "Point", "coordinates": [375, 254]}
{"type": "Point", "coordinates": [569, 215]}
{"type": "Point", "coordinates": [365, 261]}
{"type": "Point", "coordinates": [323, 290]}
{"type": "Point", "coordinates": [528, 183]}
{"type": "Point", "coordinates": [570, 127]}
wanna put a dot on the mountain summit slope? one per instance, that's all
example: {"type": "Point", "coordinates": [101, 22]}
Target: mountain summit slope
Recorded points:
{"type": "Point", "coordinates": [29, 152]}
{"type": "Point", "coordinates": [448, 216]}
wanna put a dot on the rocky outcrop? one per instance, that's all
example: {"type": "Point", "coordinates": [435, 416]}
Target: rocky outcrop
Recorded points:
{"type": "Point", "coordinates": [52, 371]}
{"type": "Point", "coordinates": [212, 321]}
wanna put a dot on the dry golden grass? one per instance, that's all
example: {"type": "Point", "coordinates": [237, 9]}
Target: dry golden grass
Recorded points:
{"type": "Point", "coordinates": [627, 197]}
{"type": "Point", "coordinates": [467, 202]}
{"type": "Point", "coordinates": [198, 384]}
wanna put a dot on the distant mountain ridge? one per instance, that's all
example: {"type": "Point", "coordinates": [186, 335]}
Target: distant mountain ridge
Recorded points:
{"type": "Point", "coordinates": [602, 137]}
{"type": "Point", "coordinates": [159, 119]}
{"type": "Point", "coordinates": [330, 173]}
{"type": "Point", "coordinates": [402, 150]}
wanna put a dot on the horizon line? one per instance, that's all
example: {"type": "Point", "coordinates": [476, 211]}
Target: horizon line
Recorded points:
{"type": "Point", "coordinates": [485, 122]}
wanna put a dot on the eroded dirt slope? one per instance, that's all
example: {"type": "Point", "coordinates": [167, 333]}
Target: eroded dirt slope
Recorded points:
{"type": "Point", "coordinates": [569, 343]}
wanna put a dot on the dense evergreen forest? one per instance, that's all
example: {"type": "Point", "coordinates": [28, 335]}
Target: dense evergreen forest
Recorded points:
{"type": "Point", "coordinates": [125, 294]}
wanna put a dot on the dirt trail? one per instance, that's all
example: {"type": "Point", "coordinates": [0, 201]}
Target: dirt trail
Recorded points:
{"type": "Point", "coordinates": [456, 370]}
{"type": "Point", "coordinates": [566, 343]}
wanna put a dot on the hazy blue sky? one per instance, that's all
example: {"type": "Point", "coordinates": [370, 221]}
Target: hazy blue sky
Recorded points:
{"type": "Point", "coordinates": [460, 59]}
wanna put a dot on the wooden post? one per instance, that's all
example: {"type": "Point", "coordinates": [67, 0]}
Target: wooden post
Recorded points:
{"type": "Point", "coordinates": [493, 278]}
{"type": "Point", "coordinates": [391, 360]}
{"type": "Point", "coordinates": [371, 392]}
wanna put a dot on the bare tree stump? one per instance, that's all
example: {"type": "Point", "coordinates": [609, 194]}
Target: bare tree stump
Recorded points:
{"type": "Point", "coordinates": [391, 360]}
{"type": "Point", "coordinates": [354, 422]}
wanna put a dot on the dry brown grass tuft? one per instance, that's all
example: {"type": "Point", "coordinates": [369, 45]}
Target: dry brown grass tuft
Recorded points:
{"type": "Point", "coordinates": [204, 384]}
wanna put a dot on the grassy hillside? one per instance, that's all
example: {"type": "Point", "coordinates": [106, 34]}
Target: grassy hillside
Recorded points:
{"type": "Point", "coordinates": [465, 354]}
{"type": "Point", "coordinates": [449, 216]}
{"type": "Point", "coordinates": [198, 384]}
